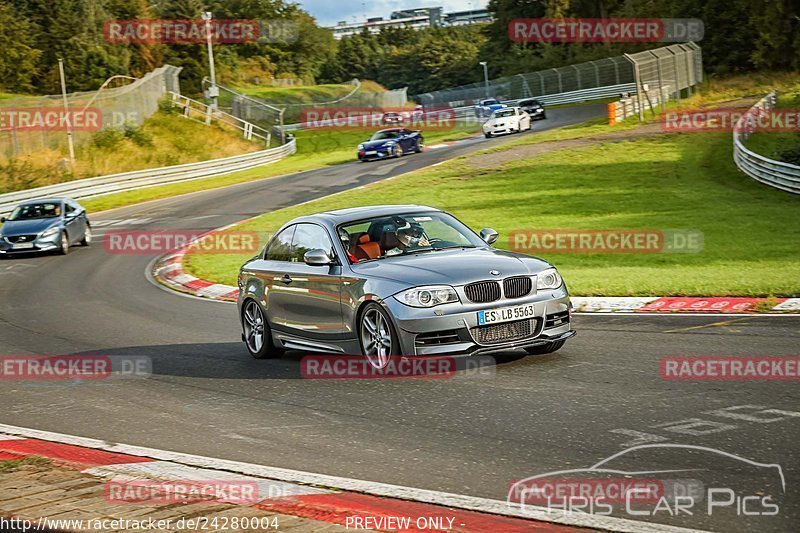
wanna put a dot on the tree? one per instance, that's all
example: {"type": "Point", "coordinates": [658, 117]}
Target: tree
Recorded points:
{"type": "Point", "coordinates": [19, 58]}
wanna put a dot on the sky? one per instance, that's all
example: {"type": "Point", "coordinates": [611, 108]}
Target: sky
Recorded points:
{"type": "Point", "coordinates": [329, 12]}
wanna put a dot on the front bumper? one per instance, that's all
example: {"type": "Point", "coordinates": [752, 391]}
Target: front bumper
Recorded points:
{"type": "Point", "coordinates": [371, 155]}
{"type": "Point", "coordinates": [500, 130]}
{"type": "Point", "coordinates": [536, 115]}
{"type": "Point", "coordinates": [35, 244]}
{"type": "Point", "coordinates": [451, 329]}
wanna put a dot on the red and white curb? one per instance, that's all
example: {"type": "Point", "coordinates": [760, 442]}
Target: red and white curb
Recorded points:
{"type": "Point", "coordinates": [309, 495]}
{"type": "Point", "coordinates": [168, 270]}
{"type": "Point", "coordinates": [682, 304]}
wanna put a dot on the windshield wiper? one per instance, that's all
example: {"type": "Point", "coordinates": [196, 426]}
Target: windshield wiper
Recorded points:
{"type": "Point", "coordinates": [453, 247]}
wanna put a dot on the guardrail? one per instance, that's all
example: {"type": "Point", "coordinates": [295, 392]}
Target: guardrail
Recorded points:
{"type": "Point", "coordinates": [777, 174]}
{"type": "Point", "coordinates": [140, 179]}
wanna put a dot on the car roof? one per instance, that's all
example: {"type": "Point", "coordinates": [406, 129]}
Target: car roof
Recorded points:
{"type": "Point", "coordinates": [45, 200]}
{"type": "Point", "coordinates": [352, 214]}
{"type": "Point", "coordinates": [390, 129]}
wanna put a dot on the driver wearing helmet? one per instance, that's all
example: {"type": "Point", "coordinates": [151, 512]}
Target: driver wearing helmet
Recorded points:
{"type": "Point", "coordinates": [411, 236]}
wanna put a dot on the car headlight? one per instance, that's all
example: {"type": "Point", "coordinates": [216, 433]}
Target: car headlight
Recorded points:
{"type": "Point", "coordinates": [49, 231]}
{"type": "Point", "coordinates": [428, 296]}
{"type": "Point", "coordinates": [548, 279]}
{"type": "Point", "coordinates": [391, 143]}
{"type": "Point", "coordinates": [360, 147]}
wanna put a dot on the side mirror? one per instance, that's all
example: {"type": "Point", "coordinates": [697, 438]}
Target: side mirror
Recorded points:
{"type": "Point", "coordinates": [317, 257]}
{"type": "Point", "coordinates": [489, 235]}
{"type": "Point", "coordinates": [3, 219]}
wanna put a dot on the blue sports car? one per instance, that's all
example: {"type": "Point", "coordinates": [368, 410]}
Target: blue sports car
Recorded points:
{"type": "Point", "coordinates": [392, 142]}
{"type": "Point", "coordinates": [485, 108]}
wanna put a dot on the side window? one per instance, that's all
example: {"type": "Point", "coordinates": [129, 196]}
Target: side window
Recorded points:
{"type": "Point", "coordinates": [280, 249]}
{"type": "Point", "coordinates": [68, 209]}
{"type": "Point", "coordinates": [310, 237]}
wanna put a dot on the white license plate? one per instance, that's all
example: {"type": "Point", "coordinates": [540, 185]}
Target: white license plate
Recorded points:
{"type": "Point", "coordinates": [23, 246]}
{"type": "Point", "coordinates": [506, 314]}
{"type": "Point", "coordinates": [372, 152]}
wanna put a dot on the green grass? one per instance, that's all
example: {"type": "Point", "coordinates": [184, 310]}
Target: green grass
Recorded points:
{"type": "Point", "coordinates": [298, 94]}
{"type": "Point", "coordinates": [315, 149]}
{"type": "Point", "coordinates": [683, 181]}
{"type": "Point", "coordinates": [11, 465]}
{"type": "Point", "coordinates": [782, 146]}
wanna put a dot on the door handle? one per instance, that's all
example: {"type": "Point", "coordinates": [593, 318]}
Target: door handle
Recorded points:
{"type": "Point", "coordinates": [287, 279]}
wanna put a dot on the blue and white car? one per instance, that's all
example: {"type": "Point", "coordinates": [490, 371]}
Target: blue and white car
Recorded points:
{"type": "Point", "coordinates": [392, 142]}
{"type": "Point", "coordinates": [485, 108]}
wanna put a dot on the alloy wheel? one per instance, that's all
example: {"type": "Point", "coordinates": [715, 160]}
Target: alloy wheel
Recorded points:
{"type": "Point", "coordinates": [253, 327]}
{"type": "Point", "coordinates": [376, 338]}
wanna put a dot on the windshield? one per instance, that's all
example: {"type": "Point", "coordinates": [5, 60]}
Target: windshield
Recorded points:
{"type": "Point", "coordinates": [34, 211]}
{"type": "Point", "coordinates": [490, 102]}
{"type": "Point", "coordinates": [406, 234]}
{"type": "Point", "coordinates": [383, 135]}
{"type": "Point", "coordinates": [504, 113]}
{"type": "Point", "coordinates": [530, 103]}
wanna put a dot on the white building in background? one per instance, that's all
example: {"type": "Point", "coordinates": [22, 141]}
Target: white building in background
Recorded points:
{"type": "Point", "coordinates": [419, 18]}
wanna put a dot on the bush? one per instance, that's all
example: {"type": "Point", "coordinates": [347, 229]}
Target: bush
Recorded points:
{"type": "Point", "coordinates": [138, 135]}
{"type": "Point", "coordinates": [109, 138]}
{"type": "Point", "coordinates": [165, 105]}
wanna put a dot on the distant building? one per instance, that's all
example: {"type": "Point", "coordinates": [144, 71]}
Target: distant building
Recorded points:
{"type": "Point", "coordinates": [419, 18]}
{"type": "Point", "coordinates": [472, 16]}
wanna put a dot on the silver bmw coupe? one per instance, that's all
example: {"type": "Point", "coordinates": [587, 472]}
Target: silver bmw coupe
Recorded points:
{"type": "Point", "coordinates": [397, 280]}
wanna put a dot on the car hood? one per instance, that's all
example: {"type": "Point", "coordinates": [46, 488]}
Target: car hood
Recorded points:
{"type": "Point", "coordinates": [372, 145]}
{"type": "Point", "coordinates": [27, 227]}
{"type": "Point", "coordinates": [502, 120]}
{"type": "Point", "coordinates": [451, 267]}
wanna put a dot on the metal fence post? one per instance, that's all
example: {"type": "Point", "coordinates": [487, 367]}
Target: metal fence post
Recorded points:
{"type": "Point", "coordinates": [638, 82]}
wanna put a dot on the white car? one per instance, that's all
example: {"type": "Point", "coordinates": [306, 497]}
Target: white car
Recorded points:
{"type": "Point", "coordinates": [508, 120]}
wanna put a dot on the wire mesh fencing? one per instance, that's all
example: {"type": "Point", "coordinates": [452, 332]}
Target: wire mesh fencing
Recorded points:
{"type": "Point", "coordinates": [30, 124]}
{"type": "Point", "coordinates": [669, 70]}
{"type": "Point", "coordinates": [677, 66]}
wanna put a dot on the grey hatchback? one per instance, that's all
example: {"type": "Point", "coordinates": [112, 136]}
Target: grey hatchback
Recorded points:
{"type": "Point", "coordinates": [52, 224]}
{"type": "Point", "coordinates": [386, 281]}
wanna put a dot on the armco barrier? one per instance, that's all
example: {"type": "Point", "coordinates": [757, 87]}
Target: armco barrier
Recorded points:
{"type": "Point", "coordinates": [140, 179]}
{"type": "Point", "coordinates": [777, 174]}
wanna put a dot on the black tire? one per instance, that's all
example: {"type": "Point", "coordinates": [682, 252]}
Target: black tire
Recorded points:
{"type": "Point", "coordinates": [398, 151]}
{"type": "Point", "coordinates": [420, 145]}
{"type": "Point", "coordinates": [87, 236]}
{"type": "Point", "coordinates": [543, 349]}
{"type": "Point", "coordinates": [378, 360]}
{"type": "Point", "coordinates": [64, 248]}
{"type": "Point", "coordinates": [253, 317]}
{"type": "Point", "coordinates": [487, 135]}
{"type": "Point", "coordinates": [544, 116]}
